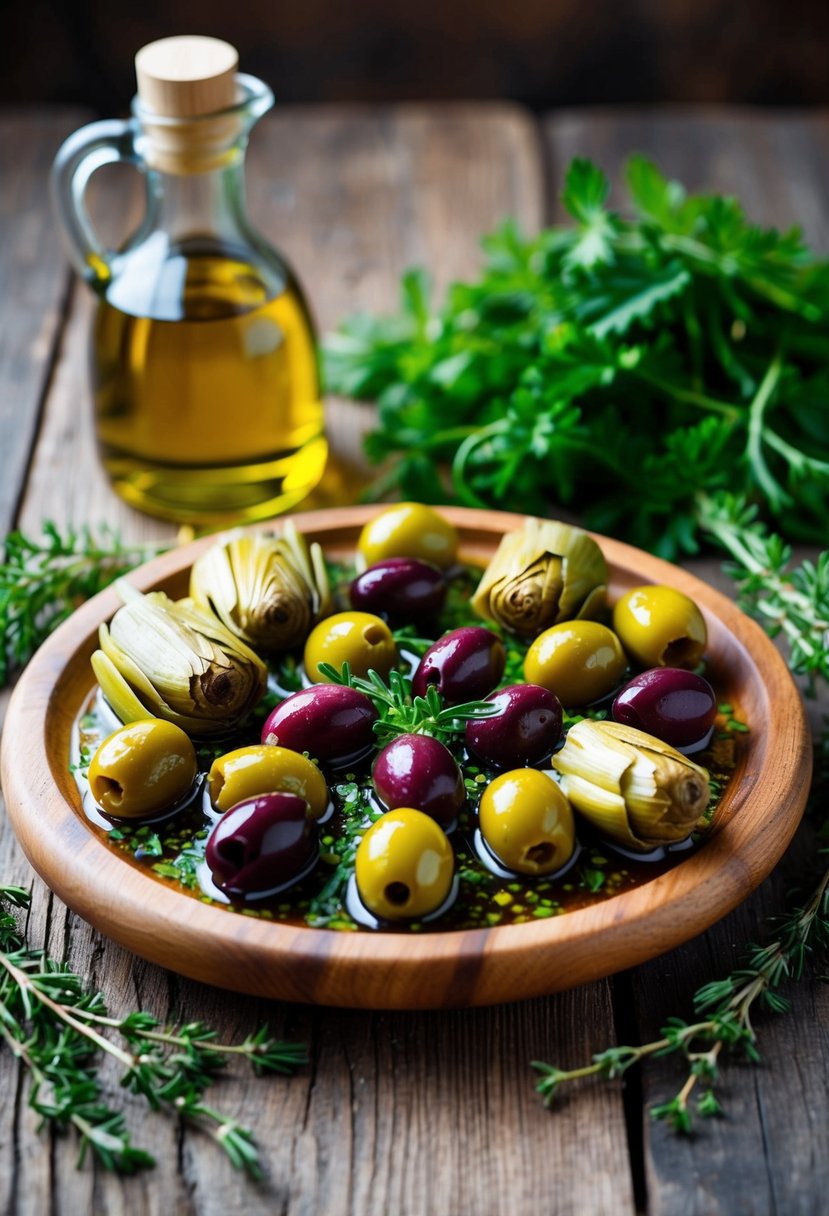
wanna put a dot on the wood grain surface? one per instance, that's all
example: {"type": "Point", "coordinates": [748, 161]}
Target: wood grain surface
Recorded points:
{"type": "Point", "coordinates": [411, 1113]}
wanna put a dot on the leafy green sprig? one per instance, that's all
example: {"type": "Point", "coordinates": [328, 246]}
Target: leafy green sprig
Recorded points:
{"type": "Point", "coordinates": [402, 713]}
{"type": "Point", "coordinates": [792, 600]}
{"type": "Point", "coordinates": [44, 579]}
{"type": "Point", "coordinates": [56, 1029]}
{"type": "Point", "coordinates": [625, 366]}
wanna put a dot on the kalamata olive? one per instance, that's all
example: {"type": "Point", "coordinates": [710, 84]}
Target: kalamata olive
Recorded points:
{"type": "Point", "coordinates": [262, 845]}
{"type": "Point", "coordinates": [360, 639]}
{"type": "Point", "coordinates": [249, 771]}
{"type": "Point", "coordinates": [330, 722]}
{"type": "Point", "coordinates": [463, 665]}
{"type": "Point", "coordinates": [409, 529]}
{"type": "Point", "coordinates": [527, 822]}
{"type": "Point", "coordinates": [526, 729]}
{"type": "Point", "coordinates": [400, 589]}
{"type": "Point", "coordinates": [580, 661]}
{"type": "Point", "coordinates": [404, 865]}
{"type": "Point", "coordinates": [660, 627]}
{"type": "Point", "coordinates": [676, 706]}
{"type": "Point", "coordinates": [142, 768]}
{"type": "Point", "coordinates": [418, 771]}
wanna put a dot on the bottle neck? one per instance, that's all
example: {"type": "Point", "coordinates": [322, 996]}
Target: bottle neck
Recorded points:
{"type": "Point", "coordinates": [209, 204]}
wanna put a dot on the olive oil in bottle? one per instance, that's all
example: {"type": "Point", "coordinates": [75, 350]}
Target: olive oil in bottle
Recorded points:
{"type": "Point", "coordinates": [203, 356]}
{"type": "Point", "coordinates": [210, 408]}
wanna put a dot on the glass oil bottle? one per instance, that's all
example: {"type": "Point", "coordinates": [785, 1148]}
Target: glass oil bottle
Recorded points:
{"type": "Point", "coordinates": [203, 357]}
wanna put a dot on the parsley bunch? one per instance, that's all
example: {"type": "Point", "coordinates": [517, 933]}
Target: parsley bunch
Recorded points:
{"type": "Point", "coordinates": [630, 368]}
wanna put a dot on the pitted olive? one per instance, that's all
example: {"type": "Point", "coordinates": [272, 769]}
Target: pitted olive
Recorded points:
{"type": "Point", "coordinates": [408, 529]}
{"type": "Point", "coordinates": [360, 639]}
{"type": "Point", "coordinates": [142, 768]}
{"type": "Point", "coordinates": [579, 661]}
{"type": "Point", "coordinates": [251, 771]}
{"type": "Point", "coordinates": [527, 822]}
{"type": "Point", "coordinates": [660, 627]}
{"type": "Point", "coordinates": [404, 866]}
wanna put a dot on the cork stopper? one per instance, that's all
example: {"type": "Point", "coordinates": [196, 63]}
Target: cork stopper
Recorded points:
{"type": "Point", "coordinates": [187, 77]}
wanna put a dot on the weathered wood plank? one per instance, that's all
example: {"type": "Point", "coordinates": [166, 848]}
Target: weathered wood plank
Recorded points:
{"type": "Point", "coordinates": [33, 282]}
{"type": "Point", "coordinates": [404, 1114]}
{"type": "Point", "coordinates": [772, 1153]}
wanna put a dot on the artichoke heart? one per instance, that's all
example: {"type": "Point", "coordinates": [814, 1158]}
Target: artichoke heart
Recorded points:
{"type": "Point", "coordinates": [541, 574]}
{"type": "Point", "coordinates": [267, 590]}
{"type": "Point", "coordinates": [632, 787]}
{"type": "Point", "coordinates": [165, 659]}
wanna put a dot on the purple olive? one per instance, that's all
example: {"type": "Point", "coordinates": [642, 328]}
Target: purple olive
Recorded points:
{"type": "Point", "coordinates": [400, 589]}
{"type": "Point", "coordinates": [676, 706]}
{"type": "Point", "coordinates": [418, 772]}
{"type": "Point", "coordinates": [329, 721]}
{"type": "Point", "coordinates": [463, 665]}
{"type": "Point", "coordinates": [261, 845]}
{"type": "Point", "coordinates": [526, 729]}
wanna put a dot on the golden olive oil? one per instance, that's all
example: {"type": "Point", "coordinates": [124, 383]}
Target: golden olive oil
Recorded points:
{"type": "Point", "coordinates": [206, 385]}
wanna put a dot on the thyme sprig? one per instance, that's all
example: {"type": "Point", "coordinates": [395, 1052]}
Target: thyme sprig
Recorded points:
{"type": "Point", "coordinates": [44, 579]}
{"type": "Point", "coordinates": [402, 713]}
{"type": "Point", "coordinates": [792, 600]}
{"type": "Point", "coordinates": [57, 1028]}
{"type": "Point", "coordinates": [728, 1004]}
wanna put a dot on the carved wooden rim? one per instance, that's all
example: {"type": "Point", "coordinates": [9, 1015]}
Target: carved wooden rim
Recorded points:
{"type": "Point", "coordinates": [758, 817]}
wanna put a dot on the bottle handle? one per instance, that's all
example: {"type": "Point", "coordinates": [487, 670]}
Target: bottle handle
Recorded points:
{"type": "Point", "coordinates": [90, 148]}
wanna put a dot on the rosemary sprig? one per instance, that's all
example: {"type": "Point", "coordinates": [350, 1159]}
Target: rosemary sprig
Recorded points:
{"type": "Point", "coordinates": [402, 713]}
{"type": "Point", "coordinates": [727, 1004]}
{"type": "Point", "coordinates": [44, 579]}
{"type": "Point", "coordinates": [56, 1029]}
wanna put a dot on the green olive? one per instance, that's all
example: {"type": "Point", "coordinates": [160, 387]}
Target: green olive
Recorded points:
{"type": "Point", "coordinates": [408, 529]}
{"type": "Point", "coordinates": [527, 822]}
{"type": "Point", "coordinates": [263, 769]}
{"type": "Point", "coordinates": [660, 627]}
{"type": "Point", "coordinates": [579, 661]}
{"type": "Point", "coordinates": [360, 639]}
{"type": "Point", "coordinates": [404, 866]}
{"type": "Point", "coordinates": [142, 768]}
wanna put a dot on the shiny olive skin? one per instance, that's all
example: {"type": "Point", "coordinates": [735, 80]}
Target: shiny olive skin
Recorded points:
{"type": "Point", "coordinates": [674, 705]}
{"type": "Point", "coordinates": [418, 771]}
{"type": "Point", "coordinates": [400, 589]}
{"type": "Point", "coordinates": [527, 822]}
{"type": "Point", "coordinates": [329, 721]}
{"type": "Point", "coordinates": [404, 866]}
{"type": "Point", "coordinates": [579, 661]}
{"type": "Point", "coordinates": [660, 627]}
{"type": "Point", "coordinates": [463, 665]}
{"type": "Point", "coordinates": [261, 845]}
{"type": "Point", "coordinates": [142, 768]}
{"type": "Point", "coordinates": [527, 728]}
{"type": "Point", "coordinates": [360, 639]}
{"type": "Point", "coordinates": [250, 771]}
{"type": "Point", "coordinates": [409, 529]}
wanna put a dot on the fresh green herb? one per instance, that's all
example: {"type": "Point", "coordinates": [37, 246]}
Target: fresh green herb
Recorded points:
{"type": "Point", "coordinates": [725, 1008]}
{"type": "Point", "coordinates": [401, 713]}
{"type": "Point", "coordinates": [43, 580]}
{"type": "Point", "coordinates": [56, 1028]}
{"type": "Point", "coordinates": [630, 367]}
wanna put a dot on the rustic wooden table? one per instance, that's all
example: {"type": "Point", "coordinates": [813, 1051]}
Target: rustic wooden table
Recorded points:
{"type": "Point", "coordinates": [426, 1113]}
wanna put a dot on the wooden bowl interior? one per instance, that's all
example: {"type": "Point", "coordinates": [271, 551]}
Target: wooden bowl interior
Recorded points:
{"type": "Point", "coordinates": [757, 817]}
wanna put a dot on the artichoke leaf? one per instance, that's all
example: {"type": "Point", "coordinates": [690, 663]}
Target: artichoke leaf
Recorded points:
{"type": "Point", "coordinates": [634, 788]}
{"type": "Point", "coordinates": [268, 591]}
{"type": "Point", "coordinates": [178, 663]}
{"type": "Point", "coordinates": [542, 573]}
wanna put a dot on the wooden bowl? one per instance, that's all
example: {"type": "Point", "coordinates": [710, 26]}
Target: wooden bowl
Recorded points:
{"type": "Point", "coordinates": [757, 818]}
